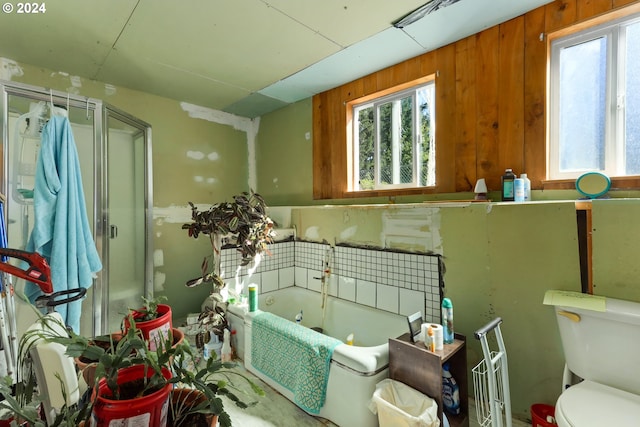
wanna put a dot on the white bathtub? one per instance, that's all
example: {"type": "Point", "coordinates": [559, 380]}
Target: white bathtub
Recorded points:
{"type": "Point", "coordinates": [355, 370]}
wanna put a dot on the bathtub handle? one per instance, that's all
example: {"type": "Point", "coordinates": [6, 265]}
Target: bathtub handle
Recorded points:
{"type": "Point", "coordinates": [574, 317]}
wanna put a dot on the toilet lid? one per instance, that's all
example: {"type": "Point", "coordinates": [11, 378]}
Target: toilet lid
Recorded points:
{"type": "Point", "coordinates": [592, 404]}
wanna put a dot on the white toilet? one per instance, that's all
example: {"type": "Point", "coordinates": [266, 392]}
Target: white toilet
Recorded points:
{"type": "Point", "coordinates": [602, 348]}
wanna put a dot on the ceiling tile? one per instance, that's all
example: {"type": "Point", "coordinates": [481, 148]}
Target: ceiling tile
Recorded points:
{"type": "Point", "coordinates": [255, 105]}
{"type": "Point", "coordinates": [71, 36]}
{"type": "Point", "coordinates": [346, 21]}
{"type": "Point", "coordinates": [250, 46]}
{"type": "Point", "coordinates": [144, 74]}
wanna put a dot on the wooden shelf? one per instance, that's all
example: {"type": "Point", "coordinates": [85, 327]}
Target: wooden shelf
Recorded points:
{"type": "Point", "coordinates": [412, 364]}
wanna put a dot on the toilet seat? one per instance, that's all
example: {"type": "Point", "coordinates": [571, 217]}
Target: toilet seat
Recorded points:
{"type": "Point", "coordinates": [591, 404]}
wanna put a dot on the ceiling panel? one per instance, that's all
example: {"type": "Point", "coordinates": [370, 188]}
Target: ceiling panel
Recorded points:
{"type": "Point", "coordinates": [146, 75]}
{"type": "Point", "coordinates": [73, 36]}
{"type": "Point", "coordinates": [346, 21]}
{"type": "Point", "coordinates": [250, 46]}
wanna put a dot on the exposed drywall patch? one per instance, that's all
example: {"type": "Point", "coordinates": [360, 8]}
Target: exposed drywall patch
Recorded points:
{"type": "Point", "coordinates": [76, 84]}
{"type": "Point", "coordinates": [9, 69]}
{"type": "Point", "coordinates": [173, 214]}
{"type": "Point", "coordinates": [347, 234]}
{"type": "Point", "coordinates": [251, 149]}
{"type": "Point", "coordinates": [216, 116]}
{"type": "Point", "coordinates": [195, 155]}
{"type": "Point", "coordinates": [412, 229]}
{"type": "Point", "coordinates": [158, 258]}
{"type": "Point", "coordinates": [312, 233]}
{"type": "Point", "coordinates": [244, 124]}
{"type": "Point", "coordinates": [109, 90]}
{"type": "Point", "coordinates": [158, 281]}
{"type": "Point", "coordinates": [213, 156]}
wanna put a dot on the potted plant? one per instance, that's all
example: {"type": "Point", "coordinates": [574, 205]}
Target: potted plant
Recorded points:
{"type": "Point", "coordinates": [243, 223]}
{"type": "Point", "coordinates": [133, 381]}
{"type": "Point", "coordinates": [154, 319]}
{"type": "Point", "coordinates": [197, 400]}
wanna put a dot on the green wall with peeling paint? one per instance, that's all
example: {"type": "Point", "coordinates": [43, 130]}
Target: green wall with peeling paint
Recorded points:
{"type": "Point", "coordinates": [500, 259]}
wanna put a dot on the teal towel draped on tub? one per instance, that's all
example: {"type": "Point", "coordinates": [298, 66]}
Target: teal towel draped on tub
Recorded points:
{"type": "Point", "coordinates": [294, 356]}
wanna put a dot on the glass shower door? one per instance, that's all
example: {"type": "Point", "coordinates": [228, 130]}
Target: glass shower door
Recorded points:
{"type": "Point", "coordinates": [129, 272]}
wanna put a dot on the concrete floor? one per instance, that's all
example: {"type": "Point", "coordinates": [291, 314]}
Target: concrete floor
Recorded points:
{"type": "Point", "coordinates": [275, 410]}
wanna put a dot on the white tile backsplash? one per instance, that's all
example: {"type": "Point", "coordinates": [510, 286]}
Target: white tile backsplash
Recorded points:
{"type": "Point", "coordinates": [347, 288]}
{"type": "Point", "coordinates": [366, 293]}
{"type": "Point", "coordinates": [387, 298]}
{"type": "Point", "coordinates": [411, 301]}
{"type": "Point", "coordinates": [398, 282]}
{"type": "Point", "coordinates": [313, 280]}
{"type": "Point", "coordinates": [270, 281]}
{"type": "Point", "coordinates": [286, 277]}
{"type": "Point", "coordinates": [332, 282]}
{"type": "Point", "coordinates": [301, 277]}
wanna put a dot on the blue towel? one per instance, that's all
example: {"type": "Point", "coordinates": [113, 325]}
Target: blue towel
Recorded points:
{"type": "Point", "coordinates": [61, 231]}
{"type": "Point", "coordinates": [296, 357]}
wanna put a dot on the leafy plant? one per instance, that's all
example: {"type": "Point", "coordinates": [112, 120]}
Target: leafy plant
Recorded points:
{"type": "Point", "coordinates": [213, 380]}
{"type": "Point", "coordinates": [21, 404]}
{"type": "Point", "coordinates": [150, 309]}
{"type": "Point", "coordinates": [244, 222]}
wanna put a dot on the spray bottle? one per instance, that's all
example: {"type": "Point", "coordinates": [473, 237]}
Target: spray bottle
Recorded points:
{"type": "Point", "coordinates": [447, 321]}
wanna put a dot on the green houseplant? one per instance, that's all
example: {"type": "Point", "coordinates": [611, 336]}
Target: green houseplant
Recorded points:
{"type": "Point", "coordinates": [243, 223]}
{"type": "Point", "coordinates": [157, 372]}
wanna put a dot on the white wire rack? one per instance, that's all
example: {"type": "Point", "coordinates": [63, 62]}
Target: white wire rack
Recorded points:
{"type": "Point", "coordinates": [491, 380]}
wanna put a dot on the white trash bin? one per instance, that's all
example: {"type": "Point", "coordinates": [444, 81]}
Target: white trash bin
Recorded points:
{"type": "Point", "coordinates": [399, 405]}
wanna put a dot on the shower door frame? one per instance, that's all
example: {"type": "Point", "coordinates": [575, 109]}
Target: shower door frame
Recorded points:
{"type": "Point", "coordinates": [101, 112]}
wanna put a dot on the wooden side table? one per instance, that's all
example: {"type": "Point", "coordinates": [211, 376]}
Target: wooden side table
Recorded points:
{"type": "Point", "coordinates": [414, 365]}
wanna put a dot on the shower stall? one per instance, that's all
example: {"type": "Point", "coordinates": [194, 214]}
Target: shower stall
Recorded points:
{"type": "Point", "coordinates": [114, 151]}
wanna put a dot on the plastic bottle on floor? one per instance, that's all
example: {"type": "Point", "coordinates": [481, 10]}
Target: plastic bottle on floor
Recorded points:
{"type": "Point", "coordinates": [226, 347]}
{"type": "Point", "coordinates": [212, 348]}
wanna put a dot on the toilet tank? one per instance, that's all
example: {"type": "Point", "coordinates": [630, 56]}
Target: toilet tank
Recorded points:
{"type": "Point", "coordinates": [603, 346]}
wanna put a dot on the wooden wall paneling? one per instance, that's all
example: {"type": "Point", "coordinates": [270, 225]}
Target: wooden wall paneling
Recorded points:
{"type": "Point", "coordinates": [321, 160]}
{"type": "Point", "coordinates": [465, 138]}
{"type": "Point", "coordinates": [560, 13]}
{"type": "Point", "coordinates": [619, 3]}
{"type": "Point", "coordinates": [354, 90]}
{"type": "Point", "coordinates": [369, 84]}
{"type": "Point", "coordinates": [511, 95]}
{"type": "Point", "coordinates": [445, 118]}
{"type": "Point", "coordinates": [487, 75]}
{"type": "Point", "coordinates": [427, 64]}
{"type": "Point", "coordinates": [535, 95]}
{"type": "Point", "coordinates": [339, 141]}
{"type": "Point", "coordinates": [589, 8]}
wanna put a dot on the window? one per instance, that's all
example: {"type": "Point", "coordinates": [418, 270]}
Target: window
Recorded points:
{"type": "Point", "coordinates": [595, 101]}
{"type": "Point", "coordinates": [394, 140]}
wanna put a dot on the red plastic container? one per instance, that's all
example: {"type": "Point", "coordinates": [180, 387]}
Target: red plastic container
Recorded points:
{"type": "Point", "coordinates": [149, 410]}
{"type": "Point", "coordinates": [156, 329]}
{"type": "Point", "coordinates": [539, 413]}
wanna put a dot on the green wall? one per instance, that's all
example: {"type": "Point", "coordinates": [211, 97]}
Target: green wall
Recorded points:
{"type": "Point", "coordinates": [500, 259]}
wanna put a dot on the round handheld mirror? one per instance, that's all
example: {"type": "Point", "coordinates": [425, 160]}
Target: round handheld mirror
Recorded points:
{"type": "Point", "coordinates": [593, 184]}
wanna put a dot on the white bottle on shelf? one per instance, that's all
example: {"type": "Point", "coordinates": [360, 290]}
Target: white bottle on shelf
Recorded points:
{"type": "Point", "coordinates": [527, 187]}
